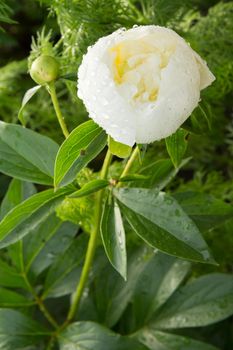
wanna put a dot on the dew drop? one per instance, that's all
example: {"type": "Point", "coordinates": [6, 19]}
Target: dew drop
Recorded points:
{"type": "Point", "coordinates": [205, 254]}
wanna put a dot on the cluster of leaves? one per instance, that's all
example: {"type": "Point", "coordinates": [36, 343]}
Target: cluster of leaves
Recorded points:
{"type": "Point", "coordinates": [43, 254]}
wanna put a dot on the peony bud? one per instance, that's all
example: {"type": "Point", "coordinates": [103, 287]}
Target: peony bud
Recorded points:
{"type": "Point", "coordinates": [44, 69]}
{"type": "Point", "coordinates": [141, 84]}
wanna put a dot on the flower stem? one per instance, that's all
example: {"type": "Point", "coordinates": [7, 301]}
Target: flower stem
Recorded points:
{"type": "Point", "coordinates": [39, 302]}
{"type": "Point", "coordinates": [91, 245]}
{"type": "Point", "coordinates": [130, 162]}
{"type": "Point", "coordinates": [57, 109]}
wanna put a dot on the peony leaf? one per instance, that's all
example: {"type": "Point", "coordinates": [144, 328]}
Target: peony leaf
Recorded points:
{"type": "Point", "coordinates": [204, 209]}
{"type": "Point", "coordinates": [10, 277]}
{"type": "Point", "coordinates": [26, 216]}
{"type": "Point", "coordinates": [119, 149]}
{"type": "Point", "coordinates": [28, 95]}
{"type": "Point", "coordinates": [176, 146]}
{"type": "Point", "coordinates": [206, 300]}
{"type": "Point", "coordinates": [133, 177]}
{"type": "Point", "coordinates": [16, 193]}
{"type": "Point", "coordinates": [82, 145]}
{"type": "Point", "coordinates": [161, 172]}
{"type": "Point", "coordinates": [159, 220]}
{"type": "Point", "coordinates": [13, 299]}
{"type": "Point", "coordinates": [158, 340]}
{"type": "Point", "coordinates": [113, 237]}
{"type": "Point", "coordinates": [90, 335]}
{"type": "Point", "coordinates": [90, 187]}
{"type": "Point", "coordinates": [63, 275]}
{"type": "Point", "coordinates": [19, 331]}
{"type": "Point", "coordinates": [26, 155]}
{"type": "Point", "coordinates": [155, 284]}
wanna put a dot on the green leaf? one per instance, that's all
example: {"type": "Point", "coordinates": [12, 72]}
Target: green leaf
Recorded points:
{"type": "Point", "coordinates": [47, 243]}
{"type": "Point", "coordinates": [12, 299]}
{"type": "Point", "coordinates": [83, 144]}
{"type": "Point", "coordinates": [106, 305]}
{"type": "Point", "coordinates": [90, 335]}
{"type": "Point", "coordinates": [10, 277]}
{"type": "Point", "coordinates": [18, 331]}
{"type": "Point", "coordinates": [26, 216]}
{"type": "Point", "coordinates": [113, 237]}
{"type": "Point", "coordinates": [158, 340]}
{"type": "Point", "coordinates": [159, 220]}
{"type": "Point", "coordinates": [176, 146]}
{"type": "Point", "coordinates": [133, 177]}
{"type": "Point", "coordinates": [161, 172]}
{"type": "Point", "coordinates": [50, 238]}
{"type": "Point", "coordinates": [204, 301]}
{"type": "Point", "coordinates": [205, 210]}
{"type": "Point", "coordinates": [89, 188]}
{"type": "Point", "coordinates": [160, 277]}
{"type": "Point", "coordinates": [28, 95]}
{"type": "Point", "coordinates": [26, 155]}
{"type": "Point", "coordinates": [63, 276]}
{"type": "Point", "coordinates": [17, 192]}
{"type": "Point", "coordinates": [119, 149]}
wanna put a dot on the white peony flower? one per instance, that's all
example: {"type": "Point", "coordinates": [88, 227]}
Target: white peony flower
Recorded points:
{"type": "Point", "coordinates": [141, 84]}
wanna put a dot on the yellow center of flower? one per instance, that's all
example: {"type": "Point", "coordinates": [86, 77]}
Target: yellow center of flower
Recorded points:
{"type": "Point", "coordinates": [139, 63]}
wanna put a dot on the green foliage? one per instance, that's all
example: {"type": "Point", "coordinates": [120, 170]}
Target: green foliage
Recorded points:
{"type": "Point", "coordinates": [156, 288]}
{"type": "Point", "coordinates": [84, 143]}
{"type": "Point", "coordinates": [197, 304]}
{"type": "Point", "coordinates": [28, 95]}
{"type": "Point", "coordinates": [159, 220]}
{"type": "Point", "coordinates": [211, 36]}
{"type": "Point", "coordinates": [26, 155]}
{"type": "Point", "coordinates": [155, 339]}
{"type": "Point", "coordinates": [176, 146]}
{"type": "Point", "coordinates": [64, 274]}
{"type": "Point", "coordinates": [90, 187]}
{"type": "Point", "coordinates": [88, 334]}
{"type": "Point", "coordinates": [166, 12]}
{"type": "Point", "coordinates": [5, 12]}
{"type": "Point", "coordinates": [83, 22]}
{"type": "Point", "coordinates": [118, 149]}
{"type": "Point", "coordinates": [113, 236]}
{"type": "Point", "coordinates": [26, 332]}
{"type": "Point", "coordinates": [10, 90]}
{"type": "Point", "coordinates": [26, 216]}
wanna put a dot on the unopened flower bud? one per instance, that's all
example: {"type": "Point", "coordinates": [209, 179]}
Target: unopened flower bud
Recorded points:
{"type": "Point", "coordinates": [44, 69]}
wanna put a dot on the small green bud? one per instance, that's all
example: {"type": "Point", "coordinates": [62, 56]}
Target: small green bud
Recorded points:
{"type": "Point", "coordinates": [44, 69]}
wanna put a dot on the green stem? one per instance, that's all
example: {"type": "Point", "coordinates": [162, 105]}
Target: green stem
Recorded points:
{"type": "Point", "coordinates": [39, 302]}
{"type": "Point", "coordinates": [91, 246]}
{"type": "Point", "coordinates": [51, 342]}
{"type": "Point", "coordinates": [130, 162]}
{"type": "Point", "coordinates": [57, 109]}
